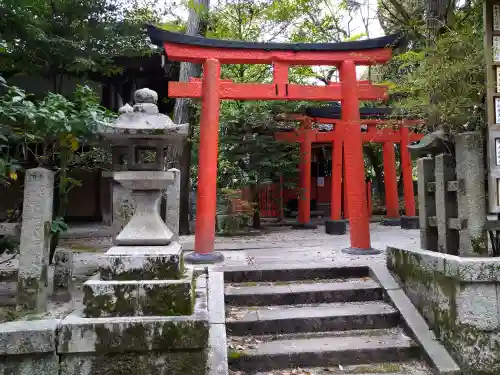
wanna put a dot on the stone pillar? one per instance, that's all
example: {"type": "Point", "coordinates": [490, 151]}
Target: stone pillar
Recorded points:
{"type": "Point", "coordinates": [63, 274]}
{"type": "Point", "coordinates": [446, 204]}
{"type": "Point", "coordinates": [471, 193]}
{"type": "Point", "coordinates": [173, 194]}
{"type": "Point", "coordinates": [426, 204]}
{"type": "Point", "coordinates": [35, 239]}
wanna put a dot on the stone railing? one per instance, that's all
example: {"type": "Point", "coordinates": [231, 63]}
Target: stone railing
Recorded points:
{"type": "Point", "coordinates": [451, 196]}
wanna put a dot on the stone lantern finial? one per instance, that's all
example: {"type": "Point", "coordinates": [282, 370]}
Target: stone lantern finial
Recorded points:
{"type": "Point", "coordinates": [146, 95]}
{"type": "Point", "coordinates": [145, 101]}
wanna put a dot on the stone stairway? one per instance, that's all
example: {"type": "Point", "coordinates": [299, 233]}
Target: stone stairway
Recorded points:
{"type": "Point", "coordinates": [317, 321]}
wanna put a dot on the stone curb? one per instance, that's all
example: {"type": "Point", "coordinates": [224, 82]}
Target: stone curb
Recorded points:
{"type": "Point", "coordinates": [28, 337]}
{"type": "Point", "coordinates": [478, 269]}
{"type": "Point", "coordinates": [217, 341]}
{"type": "Point", "coordinates": [435, 352]}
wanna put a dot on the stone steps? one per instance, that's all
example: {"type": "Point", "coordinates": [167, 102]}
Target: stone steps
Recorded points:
{"type": "Point", "coordinates": [313, 318]}
{"type": "Point", "coordinates": [385, 368]}
{"type": "Point", "coordinates": [306, 292]}
{"type": "Point", "coordinates": [310, 318]}
{"type": "Point", "coordinates": [325, 351]}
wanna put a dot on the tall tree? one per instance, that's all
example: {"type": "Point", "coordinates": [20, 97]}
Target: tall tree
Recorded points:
{"type": "Point", "coordinates": [196, 25]}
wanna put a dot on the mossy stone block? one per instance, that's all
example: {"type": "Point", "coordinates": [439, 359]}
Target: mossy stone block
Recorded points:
{"type": "Point", "coordinates": [165, 298]}
{"type": "Point", "coordinates": [143, 263]}
{"type": "Point", "coordinates": [110, 298]}
{"type": "Point", "coordinates": [178, 363]}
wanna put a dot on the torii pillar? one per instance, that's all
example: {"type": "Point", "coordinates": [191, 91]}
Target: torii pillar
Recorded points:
{"type": "Point", "coordinates": [359, 222]}
{"type": "Point", "coordinates": [304, 214]}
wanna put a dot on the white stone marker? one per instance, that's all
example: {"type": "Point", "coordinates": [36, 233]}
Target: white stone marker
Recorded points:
{"type": "Point", "coordinates": [173, 195]}
{"type": "Point", "coordinates": [35, 239]}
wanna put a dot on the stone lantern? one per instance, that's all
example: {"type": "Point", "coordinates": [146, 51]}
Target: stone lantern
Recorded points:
{"type": "Point", "coordinates": [139, 138]}
{"type": "Point", "coordinates": [143, 273]}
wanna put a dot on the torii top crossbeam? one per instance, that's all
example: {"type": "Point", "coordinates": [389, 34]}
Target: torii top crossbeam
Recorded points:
{"type": "Point", "coordinates": [181, 47]}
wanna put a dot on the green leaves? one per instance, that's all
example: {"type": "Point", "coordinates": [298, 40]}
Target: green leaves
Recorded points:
{"type": "Point", "coordinates": [58, 225]}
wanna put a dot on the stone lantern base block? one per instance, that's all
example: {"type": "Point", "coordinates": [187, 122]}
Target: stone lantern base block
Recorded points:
{"type": "Point", "coordinates": [336, 227]}
{"type": "Point", "coordinates": [207, 258]}
{"type": "Point", "coordinates": [410, 222]}
{"type": "Point", "coordinates": [304, 226]}
{"type": "Point", "coordinates": [143, 263]}
{"type": "Point", "coordinates": [391, 221]}
{"type": "Point", "coordinates": [135, 298]}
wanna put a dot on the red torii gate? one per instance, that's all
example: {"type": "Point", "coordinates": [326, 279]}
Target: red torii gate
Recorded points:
{"type": "Point", "coordinates": [380, 130]}
{"type": "Point", "coordinates": [212, 52]}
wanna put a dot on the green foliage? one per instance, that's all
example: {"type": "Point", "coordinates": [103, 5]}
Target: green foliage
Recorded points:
{"type": "Point", "coordinates": [58, 225]}
{"type": "Point", "coordinates": [50, 38]}
{"type": "Point", "coordinates": [444, 81]}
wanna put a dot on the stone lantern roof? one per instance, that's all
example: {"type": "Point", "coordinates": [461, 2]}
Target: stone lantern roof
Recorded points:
{"type": "Point", "coordinates": [143, 121]}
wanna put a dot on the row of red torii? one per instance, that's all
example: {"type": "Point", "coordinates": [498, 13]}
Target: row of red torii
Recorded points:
{"type": "Point", "coordinates": [378, 126]}
{"type": "Point", "coordinates": [212, 89]}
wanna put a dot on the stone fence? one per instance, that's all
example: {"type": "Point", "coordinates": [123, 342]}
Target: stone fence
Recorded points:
{"type": "Point", "coordinates": [451, 196]}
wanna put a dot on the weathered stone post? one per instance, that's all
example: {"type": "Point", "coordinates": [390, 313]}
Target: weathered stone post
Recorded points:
{"type": "Point", "coordinates": [32, 284]}
{"type": "Point", "coordinates": [173, 203]}
{"type": "Point", "coordinates": [426, 204]}
{"type": "Point", "coordinates": [446, 204]}
{"type": "Point", "coordinates": [63, 274]}
{"type": "Point", "coordinates": [471, 193]}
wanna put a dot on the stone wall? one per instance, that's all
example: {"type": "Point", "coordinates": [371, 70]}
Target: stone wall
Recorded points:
{"type": "Point", "coordinates": [104, 346]}
{"type": "Point", "coordinates": [459, 298]}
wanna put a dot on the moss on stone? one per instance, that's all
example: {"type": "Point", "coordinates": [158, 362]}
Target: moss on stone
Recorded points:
{"type": "Point", "coordinates": [479, 246]}
{"type": "Point", "coordinates": [231, 355]}
{"type": "Point", "coordinates": [123, 302]}
{"type": "Point", "coordinates": [166, 299]}
{"type": "Point", "coordinates": [178, 363]}
{"type": "Point", "coordinates": [153, 268]}
{"type": "Point", "coordinates": [174, 335]}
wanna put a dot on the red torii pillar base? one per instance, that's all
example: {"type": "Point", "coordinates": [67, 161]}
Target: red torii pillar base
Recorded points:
{"type": "Point", "coordinates": [207, 168]}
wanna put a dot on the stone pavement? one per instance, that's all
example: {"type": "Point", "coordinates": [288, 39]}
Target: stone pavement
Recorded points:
{"type": "Point", "coordinates": [284, 247]}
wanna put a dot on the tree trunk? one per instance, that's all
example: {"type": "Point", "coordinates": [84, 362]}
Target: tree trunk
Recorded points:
{"type": "Point", "coordinates": [378, 170]}
{"type": "Point", "coordinates": [437, 16]}
{"type": "Point", "coordinates": [254, 189]}
{"type": "Point", "coordinates": [182, 113]}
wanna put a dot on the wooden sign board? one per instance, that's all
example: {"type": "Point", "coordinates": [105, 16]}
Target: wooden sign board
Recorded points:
{"type": "Point", "coordinates": [496, 17]}
{"type": "Point", "coordinates": [498, 78]}
{"type": "Point", "coordinates": [497, 150]}
{"type": "Point", "coordinates": [497, 110]}
{"type": "Point", "coordinates": [496, 48]}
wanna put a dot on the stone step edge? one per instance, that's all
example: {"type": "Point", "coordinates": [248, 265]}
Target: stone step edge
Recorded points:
{"type": "Point", "coordinates": [312, 319]}
{"type": "Point", "coordinates": [360, 309]}
{"type": "Point", "coordinates": [353, 290]}
{"type": "Point", "coordinates": [301, 272]}
{"type": "Point", "coordinates": [324, 352]}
